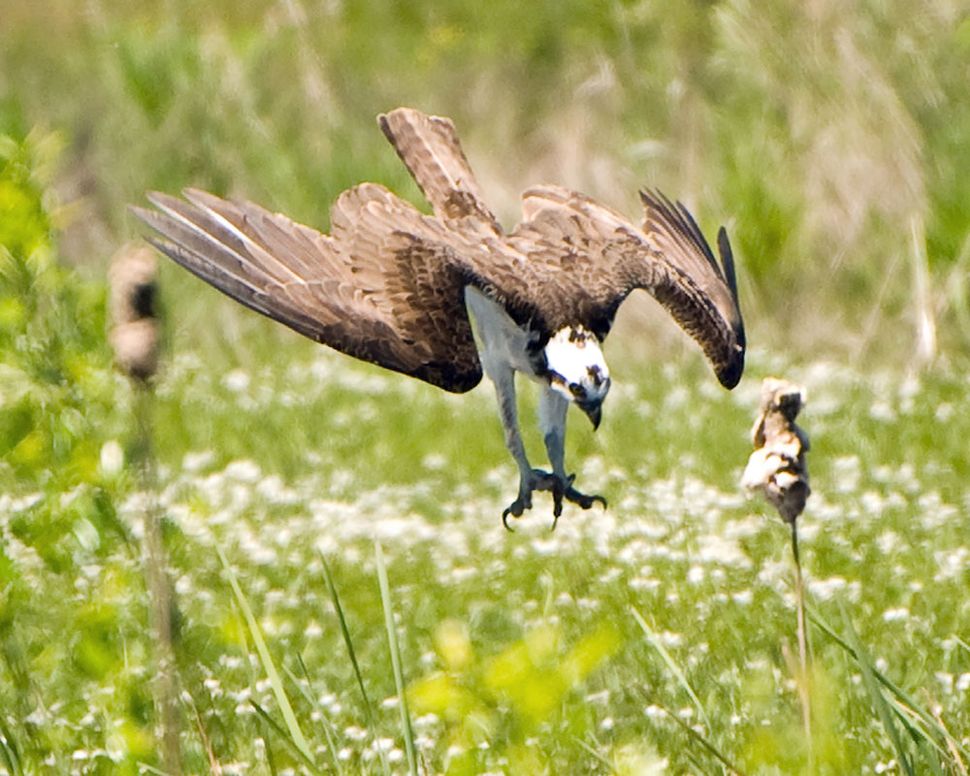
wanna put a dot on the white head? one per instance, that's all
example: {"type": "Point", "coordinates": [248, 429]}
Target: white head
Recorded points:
{"type": "Point", "coordinates": [575, 367]}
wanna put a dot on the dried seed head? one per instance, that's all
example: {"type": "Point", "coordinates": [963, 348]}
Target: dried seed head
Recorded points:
{"type": "Point", "coordinates": [135, 327]}
{"type": "Point", "coordinates": [778, 467]}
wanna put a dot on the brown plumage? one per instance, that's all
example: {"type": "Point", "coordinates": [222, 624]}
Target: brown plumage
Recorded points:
{"type": "Point", "coordinates": [383, 288]}
{"type": "Point", "coordinates": [394, 287]}
{"type": "Point", "coordinates": [387, 285]}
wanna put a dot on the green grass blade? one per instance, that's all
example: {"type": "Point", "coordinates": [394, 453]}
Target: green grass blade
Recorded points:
{"type": "Point", "coordinates": [348, 642]}
{"type": "Point", "coordinates": [289, 717]}
{"type": "Point", "coordinates": [283, 734]}
{"type": "Point", "coordinates": [875, 695]}
{"type": "Point", "coordinates": [916, 726]}
{"type": "Point", "coordinates": [591, 751]}
{"type": "Point", "coordinates": [906, 701]}
{"type": "Point", "coordinates": [9, 749]}
{"type": "Point", "coordinates": [671, 664]}
{"type": "Point", "coordinates": [406, 730]}
{"type": "Point", "coordinates": [328, 729]}
{"type": "Point", "coordinates": [702, 740]}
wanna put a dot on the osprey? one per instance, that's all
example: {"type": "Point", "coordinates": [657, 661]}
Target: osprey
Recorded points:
{"type": "Point", "coordinates": [395, 287]}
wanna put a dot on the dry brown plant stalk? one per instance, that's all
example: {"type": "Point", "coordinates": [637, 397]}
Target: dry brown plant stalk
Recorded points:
{"type": "Point", "coordinates": [778, 469]}
{"type": "Point", "coordinates": [134, 336]}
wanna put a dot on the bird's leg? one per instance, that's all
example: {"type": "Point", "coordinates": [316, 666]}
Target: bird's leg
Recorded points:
{"type": "Point", "coordinates": [529, 479]}
{"type": "Point", "coordinates": [552, 422]}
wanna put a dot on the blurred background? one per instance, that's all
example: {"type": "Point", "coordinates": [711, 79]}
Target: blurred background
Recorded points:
{"type": "Point", "coordinates": [831, 138]}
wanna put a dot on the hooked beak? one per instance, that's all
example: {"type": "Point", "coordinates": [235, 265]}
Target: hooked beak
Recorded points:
{"type": "Point", "coordinates": [594, 411]}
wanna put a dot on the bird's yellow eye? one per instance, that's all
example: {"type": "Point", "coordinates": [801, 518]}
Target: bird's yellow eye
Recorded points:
{"type": "Point", "coordinates": [577, 390]}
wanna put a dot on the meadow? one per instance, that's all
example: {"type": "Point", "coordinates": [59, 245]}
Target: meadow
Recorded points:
{"type": "Point", "coordinates": [346, 599]}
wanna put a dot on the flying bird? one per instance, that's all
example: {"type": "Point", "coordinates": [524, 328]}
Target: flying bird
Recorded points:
{"type": "Point", "coordinates": [400, 289]}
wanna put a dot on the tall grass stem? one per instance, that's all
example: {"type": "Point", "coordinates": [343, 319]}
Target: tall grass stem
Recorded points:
{"type": "Point", "coordinates": [406, 729]}
{"type": "Point", "coordinates": [901, 698]}
{"type": "Point", "coordinates": [926, 347]}
{"type": "Point", "coordinates": [215, 767]}
{"type": "Point", "coordinates": [878, 700]}
{"type": "Point", "coordinates": [307, 693]}
{"type": "Point", "coordinates": [804, 656]}
{"type": "Point", "coordinates": [289, 717]}
{"type": "Point", "coordinates": [675, 669]}
{"type": "Point", "coordinates": [702, 740]}
{"type": "Point", "coordinates": [165, 687]}
{"type": "Point", "coordinates": [345, 631]}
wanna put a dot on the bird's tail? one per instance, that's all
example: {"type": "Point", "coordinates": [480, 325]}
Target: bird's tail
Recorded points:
{"type": "Point", "coordinates": [429, 147]}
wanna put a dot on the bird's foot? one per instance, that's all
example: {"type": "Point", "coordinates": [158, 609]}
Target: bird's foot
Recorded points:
{"type": "Point", "coordinates": [565, 490]}
{"type": "Point", "coordinates": [537, 479]}
{"type": "Point", "coordinates": [561, 488]}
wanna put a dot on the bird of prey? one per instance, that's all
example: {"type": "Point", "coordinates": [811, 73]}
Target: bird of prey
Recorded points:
{"type": "Point", "coordinates": [393, 286]}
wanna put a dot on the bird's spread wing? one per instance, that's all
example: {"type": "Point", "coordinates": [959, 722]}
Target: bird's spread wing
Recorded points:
{"type": "Point", "coordinates": [387, 285]}
{"type": "Point", "coordinates": [429, 148]}
{"type": "Point", "coordinates": [702, 296]}
{"type": "Point", "coordinates": [383, 287]}
{"type": "Point", "coordinates": [606, 257]}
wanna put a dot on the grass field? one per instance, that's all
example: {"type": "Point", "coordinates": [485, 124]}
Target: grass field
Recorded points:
{"type": "Point", "coordinates": [657, 636]}
{"type": "Point", "coordinates": [522, 651]}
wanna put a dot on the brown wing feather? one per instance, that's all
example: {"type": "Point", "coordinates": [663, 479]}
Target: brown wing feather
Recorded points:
{"type": "Point", "coordinates": [430, 149]}
{"type": "Point", "coordinates": [387, 285]}
{"type": "Point", "coordinates": [685, 278]}
{"type": "Point", "coordinates": [674, 232]}
{"type": "Point", "coordinates": [602, 257]}
{"type": "Point", "coordinates": [353, 293]}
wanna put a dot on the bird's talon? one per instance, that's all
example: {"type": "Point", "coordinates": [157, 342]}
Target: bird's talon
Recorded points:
{"type": "Point", "coordinates": [516, 508]}
{"type": "Point", "coordinates": [561, 489]}
{"type": "Point", "coordinates": [505, 520]}
{"type": "Point", "coordinates": [582, 500]}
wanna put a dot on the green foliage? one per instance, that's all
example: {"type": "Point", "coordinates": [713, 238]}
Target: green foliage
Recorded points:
{"type": "Point", "coordinates": [520, 650]}
{"type": "Point", "coordinates": [52, 350]}
{"type": "Point", "coordinates": [505, 700]}
{"type": "Point", "coordinates": [59, 402]}
{"type": "Point", "coordinates": [818, 132]}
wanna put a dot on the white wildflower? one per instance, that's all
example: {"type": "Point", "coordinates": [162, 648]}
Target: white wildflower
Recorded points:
{"type": "Point", "coordinates": [825, 589]}
{"type": "Point", "coordinates": [236, 381]}
{"type": "Point", "coordinates": [895, 615]}
{"type": "Point", "coordinates": [243, 471]}
{"type": "Point", "coordinates": [112, 458]}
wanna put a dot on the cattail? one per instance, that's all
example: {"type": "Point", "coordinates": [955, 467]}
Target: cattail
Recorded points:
{"type": "Point", "coordinates": [777, 467]}
{"type": "Point", "coordinates": [134, 336]}
{"type": "Point", "coordinates": [135, 327]}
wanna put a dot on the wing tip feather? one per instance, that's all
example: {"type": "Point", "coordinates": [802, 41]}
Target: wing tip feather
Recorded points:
{"type": "Point", "coordinates": [727, 261]}
{"type": "Point", "coordinates": [162, 200]}
{"type": "Point", "coordinates": [674, 215]}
